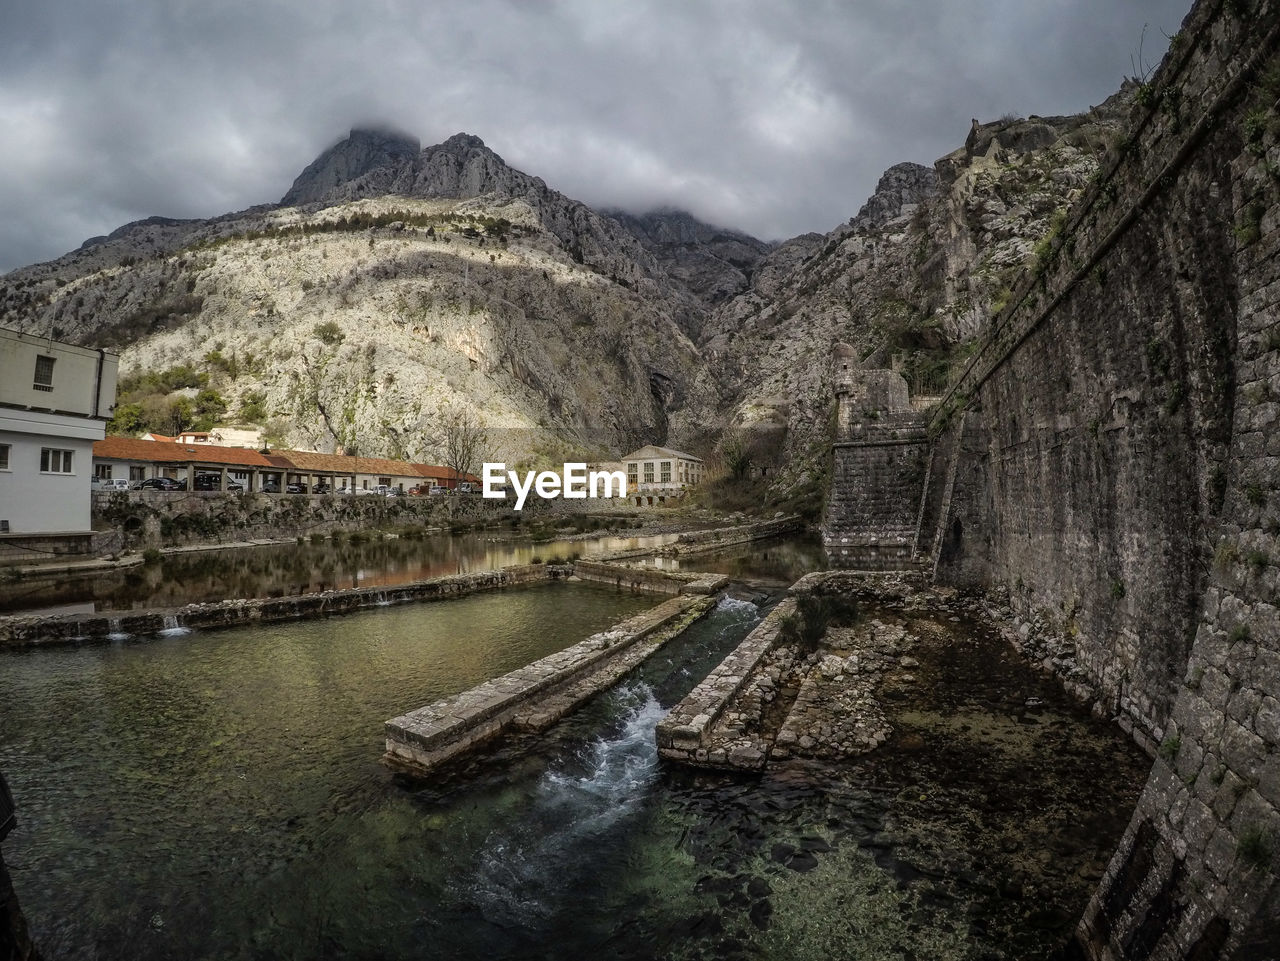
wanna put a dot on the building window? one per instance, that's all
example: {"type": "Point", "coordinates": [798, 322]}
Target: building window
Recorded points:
{"type": "Point", "coordinates": [4, 456]}
{"type": "Point", "coordinates": [384, 481]}
{"type": "Point", "coordinates": [102, 471]}
{"type": "Point", "coordinates": [44, 373]}
{"type": "Point", "coordinates": [53, 461]}
{"type": "Point", "coordinates": [648, 472]}
{"type": "Point", "coordinates": [666, 472]}
{"type": "Point", "coordinates": [137, 473]}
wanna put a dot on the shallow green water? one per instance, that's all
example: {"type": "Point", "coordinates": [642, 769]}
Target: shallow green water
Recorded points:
{"type": "Point", "coordinates": [219, 796]}
{"type": "Point", "coordinates": [160, 777]}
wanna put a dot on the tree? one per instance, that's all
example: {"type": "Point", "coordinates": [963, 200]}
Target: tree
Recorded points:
{"type": "Point", "coordinates": [736, 452]}
{"type": "Point", "coordinates": [462, 439]}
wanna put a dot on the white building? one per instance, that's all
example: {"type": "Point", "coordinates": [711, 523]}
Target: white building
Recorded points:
{"type": "Point", "coordinates": [220, 436]}
{"type": "Point", "coordinates": [55, 400]}
{"type": "Point", "coordinates": [657, 474]}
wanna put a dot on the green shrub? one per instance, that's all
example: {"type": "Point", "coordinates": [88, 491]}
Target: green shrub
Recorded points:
{"type": "Point", "coordinates": [151, 556]}
{"type": "Point", "coordinates": [329, 332]}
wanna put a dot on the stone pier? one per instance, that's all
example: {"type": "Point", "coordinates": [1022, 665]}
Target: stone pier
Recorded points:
{"type": "Point", "coordinates": [535, 696]}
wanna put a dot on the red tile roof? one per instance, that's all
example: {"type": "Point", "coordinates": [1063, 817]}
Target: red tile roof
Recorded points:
{"type": "Point", "coordinates": [301, 461]}
{"type": "Point", "coordinates": [167, 452]}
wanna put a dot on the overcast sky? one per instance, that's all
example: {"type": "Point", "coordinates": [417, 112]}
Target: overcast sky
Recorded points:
{"type": "Point", "coordinates": [772, 116]}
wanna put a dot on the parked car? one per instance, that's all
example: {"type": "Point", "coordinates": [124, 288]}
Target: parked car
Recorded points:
{"type": "Point", "coordinates": [395, 492]}
{"type": "Point", "coordinates": [322, 488]}
{"type": "Point", "coordinates": [417, 491]}
{"type": "Point", "coordinates": [434, 491]}
{"type": "Point", "coordinates": [296, 489]}
{"type": "Point", "coordinates": [270, 487]}
{"type": "Point", "coordinates": [160, 484]}
{"type": "Point", "coordinates": [108, 484]}
{"type": "Point", "coordinates": [212, 482]}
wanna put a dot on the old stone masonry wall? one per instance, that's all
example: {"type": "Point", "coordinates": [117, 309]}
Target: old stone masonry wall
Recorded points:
{"type": "Point", "coordinates": [1119, 475]}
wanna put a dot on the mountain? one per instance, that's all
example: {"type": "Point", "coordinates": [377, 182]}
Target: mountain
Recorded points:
{"type": "Point", "coordinates": [393, 281]}
{"type": "Point", "coordinates": [362, 151]}
{"type": "Point", "coordinates": [909, 281]}
{"type": "Point", "coordinates": [713, 263]}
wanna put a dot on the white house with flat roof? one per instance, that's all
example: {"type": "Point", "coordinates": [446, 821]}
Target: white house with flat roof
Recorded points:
{"type": "Point", "coordinates": [658, 474]}
{"type": "Point", "coordinates": [55, 400]}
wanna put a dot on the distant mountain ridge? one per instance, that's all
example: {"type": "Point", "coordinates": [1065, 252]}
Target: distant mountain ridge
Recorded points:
{"type": "Point", "coordinates": [441, 274]}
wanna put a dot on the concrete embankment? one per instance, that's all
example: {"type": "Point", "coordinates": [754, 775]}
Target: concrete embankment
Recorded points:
{"type": "Point", "coordinates": [648, 579]}
{"type": "Point", "coordinates": [712, 539]}
{"type": "Point", "coordinates": [704, 542]}
{"type": "Point", "coordinates": [36, 630]}
{"type": "Point", "coordinates": [535, 696]}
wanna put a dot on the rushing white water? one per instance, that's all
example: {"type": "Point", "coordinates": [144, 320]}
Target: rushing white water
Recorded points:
{"type": "Point", "coordinates": [522, 869]}
{"type": "Point", "coordinates": [732, 604]}
{"type": "Point", "coordinates": [172, 628]}
{"type": "Point", "coordinates": [528, 870]}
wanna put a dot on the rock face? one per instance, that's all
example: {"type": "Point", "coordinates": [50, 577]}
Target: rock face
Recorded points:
{"type": "Point", "coordinates": [901, 189]}
{"type": "Point", "coordinates": [363, 151]}
{"type": "Point", "coordinates": [911, 278]}
{"type": "Point", "coordinates": [713, 263]}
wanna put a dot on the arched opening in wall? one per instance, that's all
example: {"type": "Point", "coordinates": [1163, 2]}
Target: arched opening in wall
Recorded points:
{"type": "Point", "coordinates": [133, 524]}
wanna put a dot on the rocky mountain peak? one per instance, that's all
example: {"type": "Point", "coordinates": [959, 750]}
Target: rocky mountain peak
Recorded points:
{"type": "Point", "coordinates": [463, 141]}
{"type": "Point", "coordinates": [901, 186]}
{"type": "Point", "coordinates": [363, 150]}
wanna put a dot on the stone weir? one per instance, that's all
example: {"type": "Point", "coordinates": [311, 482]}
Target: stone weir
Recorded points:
{"type": "Point", "coordinates": [705, 542]}
{"type": "Point", "coordinates": [536, 696]}
{"type": "Point", "coordinates": [773, 698]}
{"type": "Point", "coordinates": [649, 579]}
{"type": "Point", "coordinates": [73, 629]}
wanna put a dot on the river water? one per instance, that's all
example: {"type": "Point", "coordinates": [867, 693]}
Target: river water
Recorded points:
{"type": "Point", "coordinates": [219, 795]}
{"type": "Point", "coordinates": [281, 570]}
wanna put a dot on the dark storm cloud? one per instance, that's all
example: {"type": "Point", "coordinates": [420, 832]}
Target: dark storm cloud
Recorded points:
{"type": "Point", "coordinates": [773, 117]}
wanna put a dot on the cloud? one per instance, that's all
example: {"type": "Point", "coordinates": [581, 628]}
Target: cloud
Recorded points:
{"type": "Point", "coordinates": [773, 118]}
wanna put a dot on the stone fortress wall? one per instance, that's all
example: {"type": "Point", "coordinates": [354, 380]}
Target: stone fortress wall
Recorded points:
{"type": "Point", "coordinates": [1111, 459]}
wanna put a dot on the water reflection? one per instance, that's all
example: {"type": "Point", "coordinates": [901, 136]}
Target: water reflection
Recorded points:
{"type": "Point", "coordinates": [779, 560]}
{"type": "Point", "coordinates": [284, 570]}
